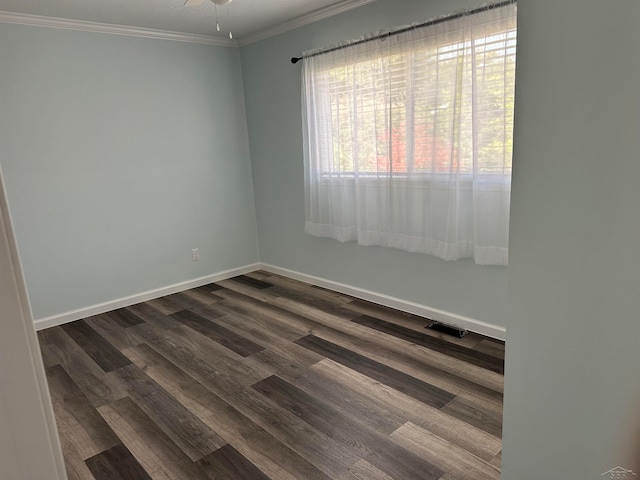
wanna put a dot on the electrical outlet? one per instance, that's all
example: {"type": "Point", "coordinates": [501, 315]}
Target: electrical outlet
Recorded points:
{"type": "Point", "coordinates": [195, 254]}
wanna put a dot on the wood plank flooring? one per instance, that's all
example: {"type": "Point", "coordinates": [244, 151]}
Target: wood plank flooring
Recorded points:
{"type": "Point", "coordinates": [263, 377]}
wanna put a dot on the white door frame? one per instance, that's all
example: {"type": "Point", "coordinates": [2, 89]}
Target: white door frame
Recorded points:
{"type": "Point", "coordinates": [29, 443]}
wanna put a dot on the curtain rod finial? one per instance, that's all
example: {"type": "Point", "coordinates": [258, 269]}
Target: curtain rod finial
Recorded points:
{"type": "Point", "coordinates": [295, 60]}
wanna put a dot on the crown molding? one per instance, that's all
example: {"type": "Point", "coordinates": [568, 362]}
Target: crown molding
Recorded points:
{"type": "Point", "coordinates": [97, 27]}
{"type": "Point", "coordinates": [68, 24]}
{"type": "Point", "coordinates": [303, 20]}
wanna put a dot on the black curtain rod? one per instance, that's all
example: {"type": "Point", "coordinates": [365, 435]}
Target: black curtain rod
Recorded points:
{"type": "Point", "coordinates": [428, 23]}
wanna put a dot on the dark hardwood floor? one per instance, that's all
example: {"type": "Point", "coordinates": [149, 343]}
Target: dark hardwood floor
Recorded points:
{"type": "Point", "coordinates": [263, 377]}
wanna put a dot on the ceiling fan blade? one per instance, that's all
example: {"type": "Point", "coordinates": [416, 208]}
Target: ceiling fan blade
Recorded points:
{"type": "Point", "coordinates": [193, 3]}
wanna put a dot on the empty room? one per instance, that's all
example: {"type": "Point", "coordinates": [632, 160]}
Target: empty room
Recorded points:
{"type": "Point", "coordinates": [319, 239]}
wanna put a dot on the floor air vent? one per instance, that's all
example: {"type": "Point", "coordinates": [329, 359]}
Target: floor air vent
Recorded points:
{"type": "Point", "coordinates": [448, 329]}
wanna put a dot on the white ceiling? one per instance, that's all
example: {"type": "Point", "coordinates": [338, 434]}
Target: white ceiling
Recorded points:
{"type": "Point", "coordinates": [248, 18]}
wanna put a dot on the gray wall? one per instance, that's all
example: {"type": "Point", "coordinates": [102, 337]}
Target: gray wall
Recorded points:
{"type": "Point", "coordinates": [120, 155]}
{"type": "Point", "coordinates": [8, 457]}
{"type": "Point", "coordinates": [272, 95]}
{"type": "Point", "coordinates": [573, 384]}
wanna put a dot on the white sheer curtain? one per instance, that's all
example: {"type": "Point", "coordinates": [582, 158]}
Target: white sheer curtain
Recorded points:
{"type": "Point", "coordinates": [408, 140]}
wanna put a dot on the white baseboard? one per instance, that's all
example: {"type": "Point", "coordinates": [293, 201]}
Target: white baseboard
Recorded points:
{"type": "Point", "coordinates": [470, 324]}
{"type": "Point", "coordinates": [67, 317]}
{"type": "Point", "coordinates": [477, 326]}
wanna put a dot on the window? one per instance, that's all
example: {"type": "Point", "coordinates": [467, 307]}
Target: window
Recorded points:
{"type": "Point", "coordinates": [408, 140]}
